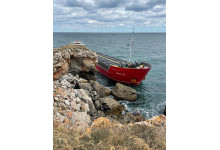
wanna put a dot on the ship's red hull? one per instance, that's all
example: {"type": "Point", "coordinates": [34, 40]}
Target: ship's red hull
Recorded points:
{"type": "Point", "coordinates": [128, 76]}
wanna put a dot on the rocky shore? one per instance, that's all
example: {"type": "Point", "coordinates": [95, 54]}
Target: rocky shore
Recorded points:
{"type": "Point", "coordinates": [79, 100]}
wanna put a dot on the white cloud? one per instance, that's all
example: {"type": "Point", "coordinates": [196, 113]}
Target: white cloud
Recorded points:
{"type": "Point", "coordinates": [89, 14]}
{"type": "Point", "coordinates": [147, 22]}
{"type": "Point", "coordinates": [92, 21]}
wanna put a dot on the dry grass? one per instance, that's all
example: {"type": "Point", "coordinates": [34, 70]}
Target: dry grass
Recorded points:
{"type": "Point", "coordinates": [135, 137]}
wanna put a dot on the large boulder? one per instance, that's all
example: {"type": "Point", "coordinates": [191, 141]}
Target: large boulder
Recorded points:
{"type": "Point", "coordinates": [101, 90]}
{"type": "Point", "coordinates": [122, 92]}
{"type": "Point", "coordinates": [111, 106]}
{"type": "Point", "coordinates": [76, 60]}
{"type": "Point", "coordinates": [85, 86]}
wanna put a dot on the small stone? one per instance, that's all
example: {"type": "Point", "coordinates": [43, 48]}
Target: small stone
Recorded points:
{"type": "Point", "coordinates": [65, 83]}
{"type": "Point", "coordinates": [72, 95]}
{"type": "Point", "coordinates": [78, 107]}
{"type": "Point", "coordinates": [77, 76]}
{"type": "Point", "coordinates": [56, 98]}
{"type": "Point", "coordinates": [94, 93]}
{"type": "Point", "coordinates": [82, 81]}
{"type": "Point", "coordinates": [78, 100]}
{"type": "Point", "coordinates": [86, 107]}
{"type": "Point", "coordinates": [85, 86]}
{"type": "Point", "coordinates": [73, 105]}
{"type": "Point", "coordinates": [97, 104]}
{"type": "Point", "coordinates": [82, 106]}
{"type": "Point", "coordinates": [57, 114]}
{"type": "Point", "coordinates": [67, 102]}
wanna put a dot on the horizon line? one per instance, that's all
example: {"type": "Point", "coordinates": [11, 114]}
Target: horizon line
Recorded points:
{"type": "Point", "coordinates": [100, 32]}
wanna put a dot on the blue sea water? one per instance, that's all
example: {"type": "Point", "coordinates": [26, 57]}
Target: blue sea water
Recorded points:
{"type": "Point", "coordinates": [148, 47]}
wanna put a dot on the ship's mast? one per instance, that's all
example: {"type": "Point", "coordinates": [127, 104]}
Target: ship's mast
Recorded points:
{"type": "Point", "coordinates": [131, 44]}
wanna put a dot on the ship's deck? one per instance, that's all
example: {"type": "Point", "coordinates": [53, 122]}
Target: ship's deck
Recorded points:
{"type": "Point", "coordinates": [106, 61]}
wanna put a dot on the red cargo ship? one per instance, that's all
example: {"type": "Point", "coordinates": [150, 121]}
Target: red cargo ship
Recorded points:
{"type": "Point", "coordinates": [122, 71]}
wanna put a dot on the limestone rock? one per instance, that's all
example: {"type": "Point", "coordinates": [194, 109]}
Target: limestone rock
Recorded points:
{"type": "Point", "coordinates": [67, 102]}
{"type": "Point", "coordinates": [156, 121]}
{"type": "Point", "coordinates": [60, 64]}
{"type": "Point", "coordinates": [111, 106]}
{"type": "Point", "coordinates": [101, 90]}
{"type": "Point", "coordinates": [82, 81]}
{"type": "Point", "coordinates": [70, 79]}
{"type": "Point", "coordinates": [139, 118]}
{"type": "Point", "coordinates": [122, 92]}
{"type": "Point", "coordinates": [65, 83]}
{"type": "Point", "coordinates": [97, 105]}
{"type": "Point", "coordinates": [100, 114]}
{"type": "Point", "coordinates": [76, 60]}
{"type": "Point", "coordinates": [85, 86]}
{"type": "Point", "coordinates": [126, 118]}
{"type": "Point", "coordinates": [78, 107]}
{"type": "Point", "coordinates": [73, 105]}
{"type": "Point", "coordinates": [84, 107]}
{"type": "Point", "coordinates": [83, 61]}
{"type": "Point", "coordinates": [78, 100]}
{"type": "Point", "coordinates": [80, 119]}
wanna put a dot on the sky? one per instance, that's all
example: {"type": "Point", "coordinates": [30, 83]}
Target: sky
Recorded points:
{"type": "Point", "coordinates": [109, 15]}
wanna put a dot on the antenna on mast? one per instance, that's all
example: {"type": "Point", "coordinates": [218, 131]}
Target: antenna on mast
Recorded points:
{"type": "Point", "coordinates": [131, 44]}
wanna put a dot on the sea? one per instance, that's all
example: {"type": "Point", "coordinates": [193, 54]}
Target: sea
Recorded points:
{"type": "Point", "coordinates": [147, 47]}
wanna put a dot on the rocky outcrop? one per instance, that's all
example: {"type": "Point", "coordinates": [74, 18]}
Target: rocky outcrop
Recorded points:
{"type": "Point", "coordinates": [156, 121]}
{"type": "Point", "coordinates": [82, 61]}
{"type": "Point", "coordinates": [78, 100]}
{"type": "Point", "coordinates": [60, 63]}
{"type": "Point", "coordinates": [75, 95]}
{"type": "Point", "coordinates": [76, 60]}
{"type": "Point", "coordinates": [130, 118]}
{"type": "Point", "coordinates": [101, 90]}
{"type": "Point", "coordinates": [111, 106]}
{"type": "Point", "coordinates": [71, 103]}
{"type": "Point", "coordinates": [122, 92]}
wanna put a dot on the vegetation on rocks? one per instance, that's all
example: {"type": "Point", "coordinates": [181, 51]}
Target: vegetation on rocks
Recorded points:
{"type": "Point", "coordinates": [106, 135]}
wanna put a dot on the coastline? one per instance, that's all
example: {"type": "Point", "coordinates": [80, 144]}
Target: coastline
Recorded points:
{"type": "Point", "coordinates": [80, 101]}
